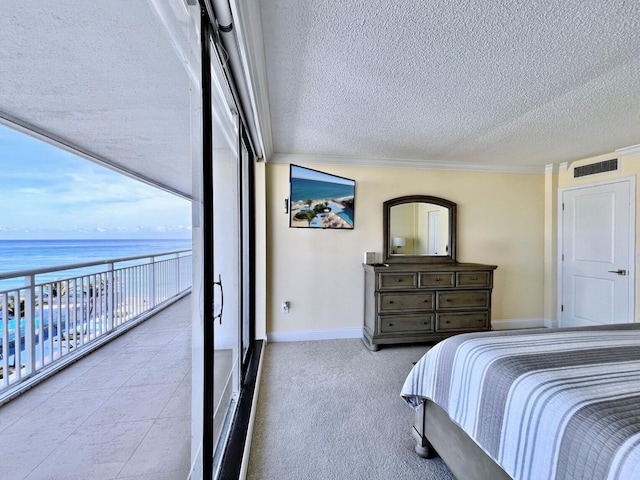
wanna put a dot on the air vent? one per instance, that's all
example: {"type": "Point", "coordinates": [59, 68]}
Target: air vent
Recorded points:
{"type": "Point", "coordinates": [600, 167]}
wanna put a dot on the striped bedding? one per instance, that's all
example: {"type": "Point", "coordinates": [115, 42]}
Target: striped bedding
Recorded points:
{"type": "Point", "coordinates": [544, 404]}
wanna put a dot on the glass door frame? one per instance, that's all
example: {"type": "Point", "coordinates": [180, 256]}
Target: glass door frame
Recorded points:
{"type": "Point", "coordinates": [248, 253]}
{"type": "Point", "coordinates": [208, 443]}
{"type": "Point", "coordinates": [247, 264]}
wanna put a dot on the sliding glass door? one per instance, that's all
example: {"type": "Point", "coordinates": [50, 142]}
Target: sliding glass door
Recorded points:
{"type": "Point", "coordinates": [227, 292]}
{"type": "Point", "coordinates": [227, 251]}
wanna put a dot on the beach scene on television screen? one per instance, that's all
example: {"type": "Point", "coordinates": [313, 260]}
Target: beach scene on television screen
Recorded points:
{"type": "Point", "coordinates": [321, 200]}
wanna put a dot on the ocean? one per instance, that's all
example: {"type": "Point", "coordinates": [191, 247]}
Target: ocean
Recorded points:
{"type": "Point", "coordinates": [19, 255]}
{"type": "Point", "coordinates": [303, 189]}
{"type": "Point", "coordinates": [35, 254]}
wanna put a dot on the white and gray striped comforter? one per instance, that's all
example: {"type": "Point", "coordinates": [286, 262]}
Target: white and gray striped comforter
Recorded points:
{"type": "Point", "coordinates": [544, 404]}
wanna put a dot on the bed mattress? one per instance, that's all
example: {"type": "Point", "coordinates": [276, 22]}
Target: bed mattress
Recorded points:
{"type": "Point", "coordinates": [544, 404]}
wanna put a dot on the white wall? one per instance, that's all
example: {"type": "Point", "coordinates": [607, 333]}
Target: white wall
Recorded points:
{"type": "Point", "coordinates": [501, 222]}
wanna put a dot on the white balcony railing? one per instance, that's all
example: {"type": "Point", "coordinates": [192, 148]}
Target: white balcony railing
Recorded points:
{"type": "Point", "coordinates": [51, 316]}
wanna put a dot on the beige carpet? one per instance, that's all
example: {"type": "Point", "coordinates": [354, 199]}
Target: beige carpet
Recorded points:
{"type": "Point", "coordinates": [332, 410]}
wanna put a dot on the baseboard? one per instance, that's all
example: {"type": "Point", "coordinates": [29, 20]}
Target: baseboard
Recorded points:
{"type": "Point", "coordinates": [356, 332]}
{"type": "Point", "coordinates": [518, 323]}
{"type": "Point", "coordinates": [550, 323]}
{"type": "Point", "coordinates": [311, 335]}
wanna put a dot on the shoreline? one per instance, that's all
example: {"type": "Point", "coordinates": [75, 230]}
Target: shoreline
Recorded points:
{"type": "Point", "coordinates": [331, 219]}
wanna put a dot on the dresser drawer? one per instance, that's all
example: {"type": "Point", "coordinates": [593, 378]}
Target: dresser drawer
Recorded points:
{"type": "Point", "coordinates": [425, 301]}
{"type": "Point", "coordinates": [406, 323]}
{"type": "Point", "coordinates": [391, 281]}
{"type": "Point", "coordinates": [406, 301]}
{"type": "Point", "coordinates": [462, 321]}
{"type": "Point", "coordinates": [463, 299]}
{"type": "Point", "coordinates": [474, 279]}
{"type": "Point", "coordinates": [445, 279]}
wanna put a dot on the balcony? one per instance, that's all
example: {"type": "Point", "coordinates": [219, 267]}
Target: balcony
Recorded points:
{"type": "Point", "coordinates": [122, 411]}
{"type": "Point", "coordinates": [95, 370]}
{"type": "Point", "coordinates": [51, 317]}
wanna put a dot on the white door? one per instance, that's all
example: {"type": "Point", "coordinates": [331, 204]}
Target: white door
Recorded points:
{"type": "Point", "coordinates": [597, 225]}
{"type": "Point", "coordinates": [434, 233]}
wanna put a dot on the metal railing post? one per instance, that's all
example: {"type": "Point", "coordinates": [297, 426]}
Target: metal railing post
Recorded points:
{"type": "Point", "coordinates": [4, 308]}
{"type": "Point", "coordinates": [29, 324]}
{"type": "Point", "coordinates": [110, 290]}
{"type": "Point", "coordinates": [152, 281]}
{"type": "Point", "coordinates": [178, 279]}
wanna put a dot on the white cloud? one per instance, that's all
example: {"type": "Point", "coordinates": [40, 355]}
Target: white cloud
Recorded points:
{"type": "Point", "coordinates": [49, 192]}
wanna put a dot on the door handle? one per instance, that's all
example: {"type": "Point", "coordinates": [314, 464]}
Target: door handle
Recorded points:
{"type": "Point", "coordinates": [219, 315]}
{"type": "Point", "coordinates": [619, 272]}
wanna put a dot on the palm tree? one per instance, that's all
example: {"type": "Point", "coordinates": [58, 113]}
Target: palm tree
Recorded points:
{"type": "Point", "coordinates": [11, 307]}
{"type": "Point", "coordinates": [53, 290]}
{"type": "Point", "coordinates": [57, 289]}
{"type": "Point", "coordinates": [93, 292]}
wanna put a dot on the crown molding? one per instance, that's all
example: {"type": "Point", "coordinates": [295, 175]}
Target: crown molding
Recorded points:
{"type": "Point", "coordinates": [629, 151]}
{"type": "Point", "coordinates": [400, 163]}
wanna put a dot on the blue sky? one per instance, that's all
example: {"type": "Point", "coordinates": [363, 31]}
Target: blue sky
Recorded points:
{"type": "Point", "coordinates": [48, 193]}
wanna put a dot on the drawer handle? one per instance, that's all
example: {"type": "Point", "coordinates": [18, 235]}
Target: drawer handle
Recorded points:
{"type": "Point", "coordinates": [474, 278]}
{"type": "Point", "coordinates": [481, 320]}
{"type": "Point", "coordinates": [438, 279]}
{"type": "Point", "coordinates": [391, 324]}
{"type": "Point", "coordinates": [426, 301]}
{"type": "Point", "coordinates": [390, 302]}
{"type": "Point", "coordinates": [447, 321]}
{"type": "Point", "coordinates": [425, 323]}
{"type": "Point", "coordinates": [479, 299]}
{"type": "Point", "coordinates": [448, 300]}
{"type": "Point", "coordinates": [399, 280]}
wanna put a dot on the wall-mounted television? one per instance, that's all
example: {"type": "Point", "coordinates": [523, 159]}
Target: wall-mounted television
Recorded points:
{"type": "Point", "coordinates": [320, 200]}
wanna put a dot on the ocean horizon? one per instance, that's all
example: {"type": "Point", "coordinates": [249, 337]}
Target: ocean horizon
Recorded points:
{"type": "Point", "coordinates": [19, 255]}
{"type": "Point", "coordinates": [303, 189]}
{"type": "Point", "coordinates": [23, 255]}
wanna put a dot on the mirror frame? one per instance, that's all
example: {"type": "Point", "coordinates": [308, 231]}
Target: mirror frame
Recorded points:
{"type": "Point", "coordinates": [453, 220]}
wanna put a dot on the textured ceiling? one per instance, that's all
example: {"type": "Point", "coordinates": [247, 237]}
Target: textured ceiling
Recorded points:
{"type": "Point", "coordinates": [474, 83]}
{"type": "Point", "coordinates": [486, 82]}
{"type": "Point", "coordinates": [108, 77]}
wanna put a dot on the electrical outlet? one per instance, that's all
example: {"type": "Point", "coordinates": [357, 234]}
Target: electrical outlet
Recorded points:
{"type": "Point", "coordinates": [285, 307]}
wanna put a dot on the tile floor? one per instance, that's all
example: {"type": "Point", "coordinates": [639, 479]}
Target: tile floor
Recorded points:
{"type": "Point", "coordinates": [123, 411]}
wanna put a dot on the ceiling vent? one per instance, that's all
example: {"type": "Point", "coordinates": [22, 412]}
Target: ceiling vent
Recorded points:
{"type": "Point", "coordinates": [592, 169]}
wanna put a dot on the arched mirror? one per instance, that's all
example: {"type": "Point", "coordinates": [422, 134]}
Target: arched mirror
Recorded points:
{"type": "Point", "coordinates": [419, 229]}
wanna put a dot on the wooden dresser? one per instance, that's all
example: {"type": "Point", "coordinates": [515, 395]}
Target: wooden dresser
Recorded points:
{"type": "Point", "coordinates": [406, 303]}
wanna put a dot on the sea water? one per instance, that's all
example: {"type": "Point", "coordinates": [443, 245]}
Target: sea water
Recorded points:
{"type": "Point", "coordinates": [303, 189]}
{"type": "Point", "coordinates": [21, 255]}
{"type": "Point", "coordinates": [17, 255]}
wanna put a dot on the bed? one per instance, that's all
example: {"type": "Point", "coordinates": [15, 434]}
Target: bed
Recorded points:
{"type": "Point", "coordinates": [532, 404]}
